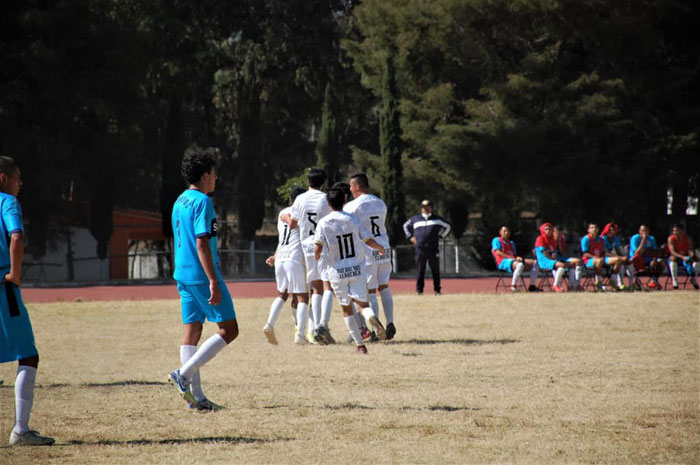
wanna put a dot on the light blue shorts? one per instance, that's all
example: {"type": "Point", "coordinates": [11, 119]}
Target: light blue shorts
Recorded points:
{"type": "Point", "coordinates": [687, 265]}
{"type": "Point", "coordinates": [589, 262]}
{"type": "Point", "coordinates": [506, 264]}
{"type": "Point", "coordinates": [545, 263]}
{"type": "Point", "coordinates": [195, 307]}
{"type": "Point", "coordinates": [16, 335]}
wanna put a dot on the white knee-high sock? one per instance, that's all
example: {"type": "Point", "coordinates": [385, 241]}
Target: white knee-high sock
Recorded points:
{"type": "Point", "coordinates": [24, 397]}
{"type": "Point", "coordinates": [354, 330]}
{"type": "Point", "coordinates": [630, 275]}
{"type": "Point", "coordinates": [302, 317]}
{"type": "Point", "coordinates": [577, 274]}
{"type": "Point", "coordinates": [326, 308]}
{"type": "Point", "coordinates": [358, 316]}
{"type": "Point", "coordinates": [206, 352]}
{"type": "Point", "coordinates": [387, 304]}
{"type": "Point", "coordinates": [275, 309]}
{"type": "Point", "coordinates": [373, 303]}
{"type": "Point", "coordinates": [674, 273]}
{"type": "Point", "coordinates": [517, 272]}
{"type": "Point", "coordinates": [316, 305]}
{"type": "Point", "coordinates": [533, 274]}
{"type": "Point", "coordinates": [186, 353]}
{"type": "Point", "coordinates": [368, 313]}
{"type": "Point", "coordinates": [558, 276]}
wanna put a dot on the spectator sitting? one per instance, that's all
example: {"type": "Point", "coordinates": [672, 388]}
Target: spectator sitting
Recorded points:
{"type": "Point", "coordinates": [645, 256]}
{"type": "Point", "coordinates": [594, 257]}
{"type": "Point", "coordinates": [680, 248]}
{"type": "Point", "coordinates": [550, 257]}
{"type": "Point", "coordinates": [613, 248]}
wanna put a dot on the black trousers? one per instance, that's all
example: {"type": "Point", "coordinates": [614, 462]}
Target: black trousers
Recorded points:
{"type": "Point", "coordinates": [433, 259]}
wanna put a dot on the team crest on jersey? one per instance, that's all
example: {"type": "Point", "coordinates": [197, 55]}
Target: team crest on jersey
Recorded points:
{"type": "Point", "coordinates": [214, 227]}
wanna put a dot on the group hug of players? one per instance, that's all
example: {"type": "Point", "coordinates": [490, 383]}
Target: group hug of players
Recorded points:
{"type": "Point", "coordinates": [333, 244]}
{"type": "Point", "coordinates": [602, 254]}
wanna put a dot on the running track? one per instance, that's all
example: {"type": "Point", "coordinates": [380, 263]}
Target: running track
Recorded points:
{"type": "Point", "coordinates": [238, 289]}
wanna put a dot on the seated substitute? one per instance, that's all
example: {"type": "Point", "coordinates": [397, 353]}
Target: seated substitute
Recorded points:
{"type": "Point", "coordinates": [504, 252]}
{"type": "Point", "coordinates": [595, 258]}
{"type": "Point", "coordinates": [549, 257]}
{"type": "Point", "coordinates": [613, 248]}
{"type": "Point", "coordinates": [680, 249]}
{"type": "Point", "coordinates": [645, 256]}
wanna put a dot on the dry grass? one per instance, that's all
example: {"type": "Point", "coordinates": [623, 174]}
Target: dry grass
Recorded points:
{"type": "Point", "coordinates": [578, 378]}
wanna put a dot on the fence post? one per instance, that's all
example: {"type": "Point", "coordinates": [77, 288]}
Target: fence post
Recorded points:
{"type": "Point", "coordinates": [456, 257]}
{"type": "Point", "coordinates": [252, 257]}
{"type": "Point", "coordinates": [394, 260]}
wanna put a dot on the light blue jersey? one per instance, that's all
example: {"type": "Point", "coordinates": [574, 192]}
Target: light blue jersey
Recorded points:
{"type": "Point", "coordinates": [16, 335]}
{"type": "Point", "coordinates": [193, 217]}
{"type": "Point", "coordinates": [611, 246]}
{"type": "Point", "coordinates": [637, 239]}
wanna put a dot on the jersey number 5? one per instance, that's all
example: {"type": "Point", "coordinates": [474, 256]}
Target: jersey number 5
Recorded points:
{"type": "Point", "coordinates": [311, 216]}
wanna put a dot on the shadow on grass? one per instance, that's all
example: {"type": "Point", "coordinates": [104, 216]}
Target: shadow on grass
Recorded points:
{"type": "Point", "coordinates": [157, 442]}
{"type": "Point", "coordinates": [127, 382]}
{"type": "Point", "coordinates": [444, 408]}
{"type": "Point", "coordinates": [466, 342]}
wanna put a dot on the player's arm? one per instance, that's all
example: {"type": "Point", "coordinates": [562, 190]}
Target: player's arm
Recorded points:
{"type": "Point", "coordinates": [318, 248]}
{"type": "Point", "coordinates": [691, 248]}
{"type": "Point", "coordinates": [672, 250]}
{"type": "Point", "coordinates": [372, 243]}
{"type": "Point", "coordinates": [16, 257]}
{"type": "Point", "coordinates": [408, 231]}
{"type": "Point", "coordinates": [270, 261]}
{"type": "Point", "coordinates": [207, 261]}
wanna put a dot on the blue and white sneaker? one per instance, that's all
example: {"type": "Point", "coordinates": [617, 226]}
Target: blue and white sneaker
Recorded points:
{"type": "Point", "coordinates": [182, 385]}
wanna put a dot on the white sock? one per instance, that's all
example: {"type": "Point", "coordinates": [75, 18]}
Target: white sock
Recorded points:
{"type": "Point", "coordinates": [24, 397]}
{"type": "Point", "coordinates": [186, 353]}
{"type": "Point", "coordinates": [618, 278]}
{"type": "Point", "coordinates": [374, 303]}
{"type": "Point", "coordinates": [630, 275]}
{"type": "Point", "coordinates": [302, 317]}
{"type": "Point", "coordinates": [326, 308]}
{"type": "Point", "coordinates": [353, 329]}
{"type": "Point", "coordinates": [368, 313]}
{"type": "Point", "coordinates": [558, 276]}
{"type": "Point", "coordinates": [316, 305]}
{"type": "Point", "coordinates": [275, 311]}
{"type": "Point", "coordinates": [517, 272]}
{"type": "Point", "coordinates": [674, 273]}
{"type": "Point", "coordinates": [206, 352]}
{"type": "Point", "coordinates": [577, 274]}
{"type": "Point", "coordinates": [387, 304]}
{"type": "Point", "coordinates": [311, 326]}
{"type": "Point", "coordinates": [533, 274]}
{"type": "Point", "coordinates": [597, 278]}
{"type": "Point", "coordinates": [358, 316]}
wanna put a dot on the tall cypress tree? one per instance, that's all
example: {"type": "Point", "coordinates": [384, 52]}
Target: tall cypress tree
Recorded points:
{"type": "Point", "coordinates": [327, 147]}
{"type": "Point", "coordinates": [390, 146]}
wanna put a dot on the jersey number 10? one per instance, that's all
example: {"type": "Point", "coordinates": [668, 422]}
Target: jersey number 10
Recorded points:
{"type": "Point", "coordinates": [346, 246]}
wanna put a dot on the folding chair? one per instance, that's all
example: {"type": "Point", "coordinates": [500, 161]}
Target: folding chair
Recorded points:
{"type": "Point", "coordinates": [642, 278]}
{"type": "Point", "coordinates": [588, 279]}
{"type": "Point", "coordinates": [505, 279]}
{"type": "Point", "coordinates": [683, 277]}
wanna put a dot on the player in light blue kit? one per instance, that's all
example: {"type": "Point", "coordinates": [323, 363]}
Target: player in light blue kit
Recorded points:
{"type": "Point", "coordinates": [16, 335]}
{"type": "Point", "coordinates": [203, 293]}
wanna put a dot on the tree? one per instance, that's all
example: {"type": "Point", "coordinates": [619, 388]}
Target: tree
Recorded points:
{"type": "Point", "coordinates": [327, 148]}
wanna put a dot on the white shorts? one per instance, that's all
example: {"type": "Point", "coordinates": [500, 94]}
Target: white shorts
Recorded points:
{"type": "Point", "coordinates": [348, 289]}
{"type": "Point", "coordinates": [290, 277]}
{"type": "Point", "coordinates": [315, 270]}
{"type": "Point", "coordinates": [378, 274]}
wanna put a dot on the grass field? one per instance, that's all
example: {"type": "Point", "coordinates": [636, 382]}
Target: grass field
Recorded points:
{"type": "Point", "coordinates": [573, 378]}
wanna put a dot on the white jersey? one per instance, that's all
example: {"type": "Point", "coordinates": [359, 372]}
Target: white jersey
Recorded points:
{"type": "Point", "coordinates": [289, 248]}
{"type": "Point", "coordinates": [343, 236]}
{"type": "Point", "coordinates": [308, 209]}
{"type": "Point", "coordinates": [371, 210]}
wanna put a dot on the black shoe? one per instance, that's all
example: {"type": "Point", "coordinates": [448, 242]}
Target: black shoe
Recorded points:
{"type": "Point", "coordinates": [438, 293]}
{"type": "Point", "coordinates": [696, 286]}
{"type": "Point", "coordinates": [532, 288]}
{"type": "Point", "coordinates": [419, 292]}
{"type": "Point", "coordinates": [390, 331]}
{"type": "Point", "coordinates": [675, 286]}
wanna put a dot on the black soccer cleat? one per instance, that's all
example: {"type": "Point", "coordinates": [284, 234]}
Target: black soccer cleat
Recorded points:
{"type": "Point", "coordinates": [390, 331]}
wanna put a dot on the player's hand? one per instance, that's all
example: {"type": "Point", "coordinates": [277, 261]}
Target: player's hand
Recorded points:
{"type": "Point", "coordinates": [413, 240]}
{"type": "Point", "coordinates": [215, 293]}
{"type": "Point", "coordinates": [270, 260]}
{"type": "Point", "coordinates": [16, 280]}
{"type": "Point", "coordinates": [381, 251]}
{"type": "Point", "coordinates": [518, 259]}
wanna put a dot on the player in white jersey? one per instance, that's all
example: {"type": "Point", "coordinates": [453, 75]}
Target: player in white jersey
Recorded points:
{"type": "Point", "coordinates": [371, 210]}
{"type": "Point", "coordinates": [307, 211]}
{"type": "Point", "coordinates": [290, 273]}
{"type": "Point", "coordinates": [342, 234]}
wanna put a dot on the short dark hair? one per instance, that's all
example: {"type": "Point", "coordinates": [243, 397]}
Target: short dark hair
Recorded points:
{"type": "Point", "coordinates": [8, 165]}
{"type": "Point", "coordinates": [296, 192]}
{"type": "Point", "coordinates": [195, 164]}
{"type": "Point", "coordinates": [316, 177]}
{"type": "Point", "coordinates": [361, 180]}
{"type": "Point", "coordinates": [336, 198]}
{"type": "Point", "coordinates": [345, 188]}
{"type": "Point", "coordinates": [679, 226]}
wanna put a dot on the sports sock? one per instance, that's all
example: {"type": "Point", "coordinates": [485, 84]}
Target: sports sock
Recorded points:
{"type": "Point", "coordinates": [577, 274]}
{"type": "Point", "coordinates": [630, 275]}
{"type": "Point", "coordinates": [353, 329]}
{"type": "Point", "coordinates": [674, 273]}
{"type": "Point", "coordinates": [302, 317]}
{"type": "Point", "coordinates": [24, 397]}
{"type": "Point", "coordinates": [373, 302]}
{"type": "Point", "coordinates": [358, 316]}
{"type": "Point", "coordinates": [597, 278]}
{"type": "Point", "coordinates": [326, 308]}
{"type": "Point", "coordinates": [387, 304]}
{"type": "Point", "coordinates": [368, 313]}
{"type": "Point", "coordinates": [558, 276]}
{"type": "Point", "coordinates": [618, 279]}
{"type": "Point", "coordinates": [533, 274]}
{"type": "Point", "coordinates": [275, 311]}
{"type": "Point", "coordinates": [206, 352]}
{"type": "Point", "coordinates": [316, 305]}
{"type": "Point", "coordinates": [517, 272]}
{"type": "Point", "coordinates": [186, 353]}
